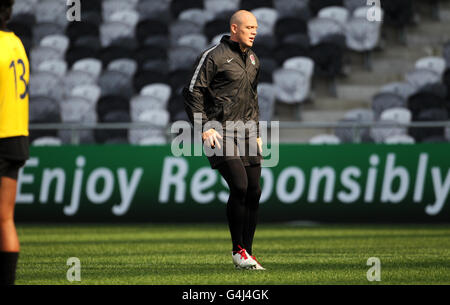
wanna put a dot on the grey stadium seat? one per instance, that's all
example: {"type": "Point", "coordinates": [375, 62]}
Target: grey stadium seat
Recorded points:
{"type": "Point", "coordinates": [85, 136]}
{"type": "Point", "coordinates": [399, 139]}
{"type": "Point", "coordinates": [182, 57]}
{"type": "Point", "coordinates": [319, 28]}
{"type": "Point", "coordinates": [124, 65]}
{"type": "Point", "coordinates": [115, 83]}
{"type": "Point", "coordinates": [365, 10]}
{"type": "Point", "coordinates": [421, 134]}
{"type": "Point", "coordinates": [92, 66]}
{"type": "Point", "coordinates": [446, 53]}
{"type": "Point", "coordinates": [267, 17]}
{"type": "Point", "coordinates": [53, 11]}
{"type": "Point", "coordinates": [380, 133]}
{"type": "Point", "coordinates": [362, 35]}
{"type": "Point", "coordinates": [361, 114]}
{"type": "Point", "coordinates": [47, 141]}
{"type": "Point", "coordinates": [219, 6]}
{"type": "Point", "coordinates": [141, 103]}
{"type": "Point", "coordinates": [111, 31]}
{"type": "Point", "coordinates": [75, 109]}
{"type": "Point", "coordinates": [58, 42]}
{"type": "Point", "coordinates": [115, 136]}
{"type": "Point", "coordinates": [40, 54]}
{"type": "Point", "coordinates": [385, 100]}
{"type": "Point", "coordinates": [337, 13]}
{"type": "Point", "coordinates": [160, 91]}
{"type": "Point", "coordinates": [266, 101]}
{"type": "Point", "coordinates": [42, 30]}
{"type": "Point", "coordinates": [434, 63]}
{"type": "Point", "coordinates": [287, 8]}
{"type": "Point", "coordinates": [150, 136]}
{"type": "Point", "coordinates": [181, 28]}
{"type": "Point", "coordinates": [44, 109]}
{"type": "Point", "coordinates": [157, 140]}
{"type": "Point", "coordinates": [90, 92]}
{"type": "Point", "coordinates": [352, 134]}
{"type": "Point", "coordinates": [324, 139]}
{"type": "Point", "coordinates": [300, 63]}
{"type": "Point", "coordinates": [196, 15]}
{"type": "Point", "coordinates": [351, 5]}
{"type": "Point", "coordinates": [401, 115]}
{"type": "Point", "coordinates": [23, 7]}
{"type": "Point", "coordinates": [46, 84]}
{"type": "Point", "coordinates": [197, 41]}
{"type": "Point", "coordinates": [155, 9]}
{"type": "Point", "coordinates": [109, 7]}
{"type": "Point", "coordinates": [77, 78]}
{"type": "Point", "coordinates": [159, 117]}
{"type": "Point", "coordinates": [421, 77]}
{"type": "Point", "coordinates": [405, 90]}
{"type": "Point", "coordinates": [292, 86]}
{"type": "Point", "coordinates": [55, 66]}
{"type": "Point", "coordinates": [130, 18]}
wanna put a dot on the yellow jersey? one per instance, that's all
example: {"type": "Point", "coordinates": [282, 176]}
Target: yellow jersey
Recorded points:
{"type": "Point", "coordinates": [14, 80]}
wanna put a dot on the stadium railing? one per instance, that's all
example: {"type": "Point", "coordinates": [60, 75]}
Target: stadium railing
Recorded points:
{"type": "Point", "coordinates": [357, 127]}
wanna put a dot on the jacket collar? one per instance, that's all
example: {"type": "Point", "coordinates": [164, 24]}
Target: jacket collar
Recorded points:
{"type": "Point", "coordinates": [233, 44]}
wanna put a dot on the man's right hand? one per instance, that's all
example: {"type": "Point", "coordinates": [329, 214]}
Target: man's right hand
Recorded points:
{"type": "Point", "coordinates": [212, 137]}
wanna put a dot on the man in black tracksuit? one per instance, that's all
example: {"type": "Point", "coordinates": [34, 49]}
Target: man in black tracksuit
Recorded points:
{"type": "Point", "coordinates": [223, 88]}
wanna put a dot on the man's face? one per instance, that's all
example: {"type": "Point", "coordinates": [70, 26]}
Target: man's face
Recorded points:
{"type": "Point", "coordinates": [246, 30]}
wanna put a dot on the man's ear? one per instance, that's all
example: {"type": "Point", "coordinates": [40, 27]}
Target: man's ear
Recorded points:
{"type": "Point", "coordinates": [234, 28]}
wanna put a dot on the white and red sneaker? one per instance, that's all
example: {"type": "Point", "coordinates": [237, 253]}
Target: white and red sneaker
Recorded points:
{"type": "Point", "coordinates": [242, 260]}
{"type": "Point", "coordinates": [258, 265]}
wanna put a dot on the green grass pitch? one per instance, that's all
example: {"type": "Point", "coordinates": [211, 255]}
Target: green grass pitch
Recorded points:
{"type": "Point", "coordinates": [200, 254]}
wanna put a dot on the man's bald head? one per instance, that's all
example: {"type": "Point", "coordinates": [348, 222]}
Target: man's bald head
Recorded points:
{"type": "Point", "coordinates": [240, 16]}
{"type": "Point", "coordinates": [243, 26]}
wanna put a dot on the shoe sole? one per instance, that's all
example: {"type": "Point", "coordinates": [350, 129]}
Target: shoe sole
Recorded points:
{"type": "Point", "coordinates": [247, 268]}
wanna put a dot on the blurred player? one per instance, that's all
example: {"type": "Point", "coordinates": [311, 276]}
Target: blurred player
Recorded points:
{"type": "Point", "coordinates": [223, 88]}
{"type": "Point", "coordinates": [14, 78]}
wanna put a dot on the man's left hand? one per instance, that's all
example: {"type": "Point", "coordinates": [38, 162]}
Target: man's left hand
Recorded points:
{"type": "Point", "coordinates": [259, 141]}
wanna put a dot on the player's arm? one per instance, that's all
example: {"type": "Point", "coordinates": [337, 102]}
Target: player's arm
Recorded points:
{"type": "Point", "coordinates": [194, 96]}
{"type": "Point", "coordinates": [255, 87]}
{"type": "Point", "coordinates": [195, 92]}
{"type": "Point", "coordinates": [256, 117]}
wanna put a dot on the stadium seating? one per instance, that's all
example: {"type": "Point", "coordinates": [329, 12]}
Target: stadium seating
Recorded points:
{"type": "Point", "coordinates": [360, 114]}
{"type": "Point", "coordinates": [292, 85]}
{"type": "Point", "coordinates": [127, 66]}
{"type": "Point", "coordinates": [89, 92]}
{"type": "Point", "coordinates": [446, 53]}
{"type": "Point", "coordinates": [386, 100]}
{"type": "Point", "coordinates": [47, 141]}
{"type": "Point", "coordinates": [266, 101]}
{"type": "Point", "coordinates": [55, 66]}
{"type": "Point", "coordinates": [430, 134]}
{"type": "Point", "coordinates": [403, 89]}
{"type": "Point", "coordinates": [352, 5]}
{"type": "Point", "coordinates": [352, 134]}
{"type": "Point", "coordinates": [399, 139]}
{"type": "Point", "coordinates": [58, 42]}
{"type": "Point", "coordinates": [124, 49]}
{"type": "Point", "coordinates": [317, 5]}
{"type": "Point", "coordinates": [324, 139]}
{"type": "Point", "coordinates": [266, 17]}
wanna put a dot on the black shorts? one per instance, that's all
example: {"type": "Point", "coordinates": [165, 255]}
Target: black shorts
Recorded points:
{"type": "Point", "coordinates": [247, 158]}
{"type": "Point", "coordinates": [10, 168]}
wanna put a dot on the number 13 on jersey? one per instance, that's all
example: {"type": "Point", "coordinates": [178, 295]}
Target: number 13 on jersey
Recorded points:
{"type": "Point", "coordinates": [21, 85]}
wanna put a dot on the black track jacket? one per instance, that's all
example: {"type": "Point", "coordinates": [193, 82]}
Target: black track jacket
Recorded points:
{"type": "Point", "coordinates": [223, 86]}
